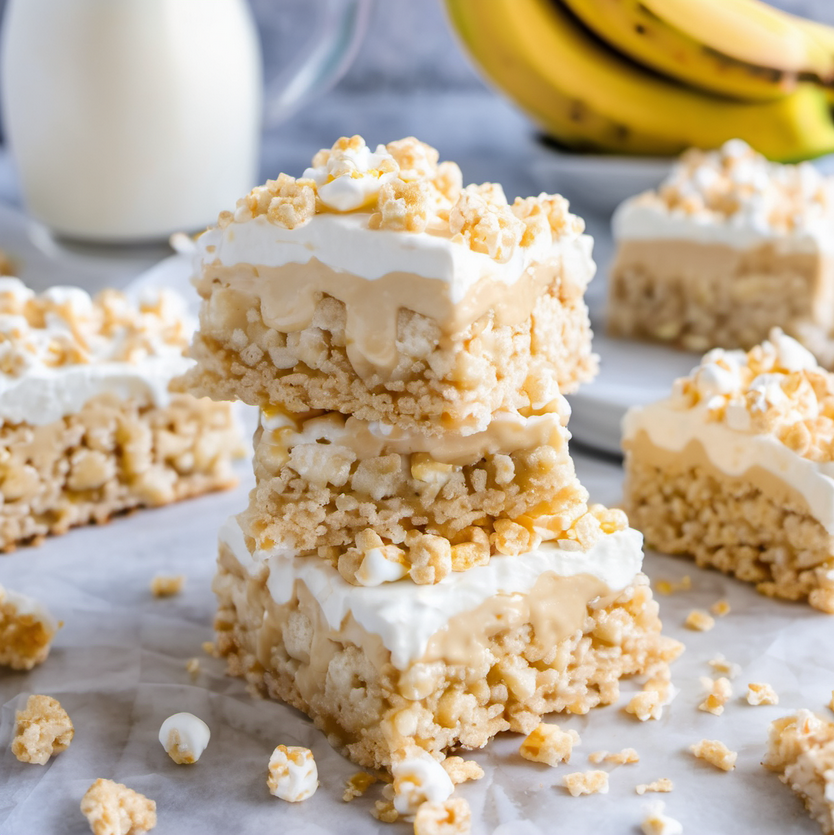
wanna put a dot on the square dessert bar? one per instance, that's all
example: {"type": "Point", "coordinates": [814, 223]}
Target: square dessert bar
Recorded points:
{"type": "Point", "coordinates": [377, 500]}
{"type": "Point", "coordinates": [382, 670]}
{"type": "Point", "coordinates": [800, 749]}
{"type": "Point", "coordinates": [376, 286]}
{"type": "Point", "coordinates": [728, 247]}
{"type": "Point", "coordinates": [87, 427]}
{"type": "Point", "coordinates": [736, 469]}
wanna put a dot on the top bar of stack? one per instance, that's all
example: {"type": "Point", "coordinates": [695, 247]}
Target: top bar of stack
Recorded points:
{"type": "Point", "coordinates": [313, 299]}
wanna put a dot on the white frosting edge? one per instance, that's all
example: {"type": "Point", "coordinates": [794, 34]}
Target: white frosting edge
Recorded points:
{"type": "Point", "coordinates": [44, 395]}
{"type": "Point", "coordinates": [405, 616]}
{"type": "Point", "coordinates": [634, 221]}
{"type": "Point", "coordinates": [345, 243]}
{"type": "Point", "coordinates": [734, 452]}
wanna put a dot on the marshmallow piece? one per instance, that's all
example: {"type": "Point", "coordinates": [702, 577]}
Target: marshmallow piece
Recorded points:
{"type": "Point", "coordinates": [381, 565]}
{"type": "Point", "coordinates": [184, 737]}
{"type": "Point", "coordinates": [418, 779]}
{"type": "Point", "coordinates": [293, 775]}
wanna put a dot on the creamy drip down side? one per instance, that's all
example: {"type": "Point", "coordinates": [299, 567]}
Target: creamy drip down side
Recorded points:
{"type": "Point", "coordinates": [411, 623]}
{"type": "Point", "coordinates": [506, 433]}
{"type": "Point", "coordinates": [289, 270]}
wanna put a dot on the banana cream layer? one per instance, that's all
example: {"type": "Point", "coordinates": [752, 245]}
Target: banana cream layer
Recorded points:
{"type": "Point", "coordinates": [549, 588]}
{"type": "Point", "coordinates": [506, 433]}
{"type": "Point", "coordinates": [378, 272]}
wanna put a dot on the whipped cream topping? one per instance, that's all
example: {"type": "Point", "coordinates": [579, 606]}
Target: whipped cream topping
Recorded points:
{"type": "Point", "coordinates": [405, 617]}
{"type": "Point", "coordinates": [768, 408]}
{"type": "Point", "coordinates": [347, 243]}
{"type": "Point", "coordinates": [736, 197]}
{"type": "Point", "coordinates": [62, 347]}
{"type": "Point", "coordinates": [352, 179]}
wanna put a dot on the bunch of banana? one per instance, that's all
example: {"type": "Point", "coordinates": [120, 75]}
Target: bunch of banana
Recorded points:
{"type": "Point", "coordinates": [658, 76]}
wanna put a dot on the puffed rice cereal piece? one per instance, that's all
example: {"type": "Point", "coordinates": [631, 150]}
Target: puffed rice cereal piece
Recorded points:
{"type": "Point", "coordinates": [670, 587]}
{"type": "Point", "coordinates": [648, 704]}
{"type": "Point", "coordinates": [720, 691]}
{"type": "Point", "coordinates": [721, 665]}
{"type": "Point", "coordinates": [167, 585]}
{"type": "Point", "coordinates": [357, 785]}
{"type": "Point", "coordinates": [26, 631]}
{"type": "Point", "coordinates": [625, 757]}
{"type": "Point", "coordinates": [293, 775]}
{"type": "Point", "coordinates": [419, 778]}
{"type": "Point", "coordinates": [699, 621]}
{"type": "Point", "coordinates": [761, 694]}
{"type": "Point", "coordinates": [42, 730]}
{"type": "Point", "coordinates": [720, 608]}
{"type": "Point", "coordinates": [549, 744]}
{"type": "Point", "coordinates": [192, 667]}
{"type": "Point", "coordinates": [451, 817]}
{"type": "Point", "coordinates": [586, 782]}
{"type": "Point", "coordinates": [716, 753]}
{"type": "Point", "coordinates": [656, 823]}
{"type": "Point", "coordinates": [113, 809]}
{"type": "Point", "coordinates": [461, 770]}
{"type": "Point", "coordinates": [664, 784]}
{"type": "Point", "coordinates": [184, 737]}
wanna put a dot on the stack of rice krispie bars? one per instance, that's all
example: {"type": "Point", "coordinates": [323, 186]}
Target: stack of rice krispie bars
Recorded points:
{"type": "Point", "coordinates": [419, 567]}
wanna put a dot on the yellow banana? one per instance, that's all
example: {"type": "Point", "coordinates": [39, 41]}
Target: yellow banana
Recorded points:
{"type": "Point", "coordinates": [631, 28]}
{"type": "Point", "coordinates": [590, 99]}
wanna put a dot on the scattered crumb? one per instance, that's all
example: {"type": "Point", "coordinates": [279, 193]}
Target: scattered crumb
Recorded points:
{"type": "Point", "coordinates": [42, 729]}
{"type": "Point", "coordinates": [831, 703]}
{"type": "Point", "coordinates": [761, 694]}
{"type": "Point", "coordinates": [209, 648]}
{"type": "Point", "coordinates": [26, 630]}
{"type": "Point", "coordinates": [384, 811]}
{"type": "Point", "coordinates": [114, 809]}
{"type": "Point", "coordinates": [184, 737]}
{"type": "Point", "coordinates": [167, 586]}
{"type": "Point", "coordinates": [715, 753]}
{"type": "Point", "coordinates": [719, 694]}
{"type": "Point", "coordinates": [721, 665]}
{"type": "Point", "coordinates": [720, 608]}
{"type": "Point", "coordinates": [293, 775]}
{"type": "Point", "coordinates": [451, 817]}
{"type": "Point", "coordinates": [549, 744]}
{"type": "Point", "coordinates": [664, 784]}
{"type": "Point", "coordinates": [461, 770]}
{"type": "Point", "coordinates": [670, 587]}
{"type": "Point", "coordinates": [656, 823]}
{"type": "Point", "coordinates": [624, 757]}
{"type": "Point", "coordinates": [193, 667]}
{"type": "Point", "coordinates": [357, 785]}
{"type": "Point", "coordinates": [586, 782]}
{"type": "Point", "coordinates": [647, 704]}
{"type": "Point", "coordinates": [699, 621]}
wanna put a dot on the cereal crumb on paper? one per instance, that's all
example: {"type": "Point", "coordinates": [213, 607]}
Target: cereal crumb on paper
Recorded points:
{"type": "Point", "coordinates": [451, 817]}
{"type": "Point", "coordinates": [549, 744]}
{"type": "Point", "coordinates": [761, 694]}
{"type": "Point", "coordinates": [113, 809]}
{"type": "Point", "coordinates": [167, 585]}
{"type": "Point", "coordinates": [42, 730]}
{"type": "Point", "coordinates": [664, 784]}
{"type": "Point", "coordinates": [699, 621]}
{"type": "Point", "coordinates": [357, 785]}
{"type": "Point", "coordinates": [586, 782]}
{"type": "Point", "coordinates": [720, 691]}
{"type": "Point", "coordinates": [716, 753]}
{"type": "Point", "coordinates": [625, 757]}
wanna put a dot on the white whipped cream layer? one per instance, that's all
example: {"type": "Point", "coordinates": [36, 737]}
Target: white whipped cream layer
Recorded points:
{"type": "Point", "coordinates": [405, 616]}
{"type": "Point", "coordinates": [636, 221]}
{"type": "Point", "coordinates": [44, 395]}
{"type": "Point", "coordinates": [345, 243]}
{"type": "Point", "coordinates": [734, 452]}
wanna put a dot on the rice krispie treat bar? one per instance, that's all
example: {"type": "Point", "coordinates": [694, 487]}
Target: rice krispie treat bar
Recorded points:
{"type": "Point", "coordinates": [735, 469]}
{"type": "Point", "coordinates": [87, 426]}
{"type": "Point", "coordinates": [800, 749]}
{"type": "Point", "coordinates": [356, 492]}
{"type": "Point", "coordinates": [377, 286]}
{"type": "Point", "coordinates": [490, 649]}
{"type": "Point", "coordinates": [728, 247]}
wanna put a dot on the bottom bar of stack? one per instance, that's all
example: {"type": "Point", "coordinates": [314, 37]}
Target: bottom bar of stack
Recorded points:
{"type": "Point", "coordinates": [490, 649]}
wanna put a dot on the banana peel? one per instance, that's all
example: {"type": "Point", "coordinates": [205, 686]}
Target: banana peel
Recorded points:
{"type": "Point", "coordinates": [589, 98]}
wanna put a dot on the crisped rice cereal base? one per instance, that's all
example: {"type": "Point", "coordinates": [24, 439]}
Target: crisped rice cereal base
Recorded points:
{"type": "Point", "coordinates": [449, 384]}
{"type": "Point", "coordinates": [112, 456]}
{"type": "Point", "coordinates": [369, 710]}
{"type": "Point", "coordinates": [732, 525]}
{"type": "Point", "coordinates": [698, 296]}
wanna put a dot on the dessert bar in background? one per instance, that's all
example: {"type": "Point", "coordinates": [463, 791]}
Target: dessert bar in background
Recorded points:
{"type": "Point", "coordinates": [87, 426]}
{"type": "Point", "coordinates": [728, 247]}
{"type": "Point", "coordinates": [736, 469]}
